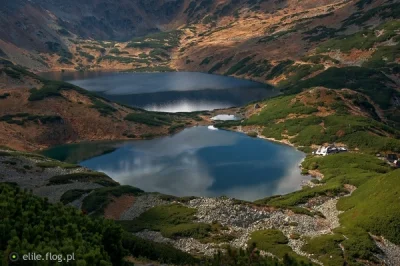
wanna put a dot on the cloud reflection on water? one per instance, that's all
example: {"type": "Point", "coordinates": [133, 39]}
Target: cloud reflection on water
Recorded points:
{"type": "Point", "coordinates": [178, 165]}
{"type": "Point", "coordinates": [186, 105]}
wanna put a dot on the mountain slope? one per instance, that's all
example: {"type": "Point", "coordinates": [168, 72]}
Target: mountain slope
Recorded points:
{"type": "Point", "coordinates": [36, 113]}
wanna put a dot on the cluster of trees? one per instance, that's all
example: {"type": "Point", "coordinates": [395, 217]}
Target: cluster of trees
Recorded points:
{"type": "Point", "coordinates": [31, 224]}
{"type": "Point", "coordinates": [250, 257]}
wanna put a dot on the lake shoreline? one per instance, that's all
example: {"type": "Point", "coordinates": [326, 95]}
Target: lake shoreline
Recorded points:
{"type": "Point", "coordinates": [210, 157]}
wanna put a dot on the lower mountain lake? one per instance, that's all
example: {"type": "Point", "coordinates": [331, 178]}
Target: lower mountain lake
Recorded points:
{"type": "Point", "coordinates": [169, 92]}
{"type": "Point", "coordinates": [194, 162]}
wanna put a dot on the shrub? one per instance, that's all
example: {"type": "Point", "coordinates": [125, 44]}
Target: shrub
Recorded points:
{"type": "Point", "coordinates": [252, 134]}
{"type": "Point", "coordinates": [4, 96]}
{"type": "Point", "coordinates": [238, 65]}
{"type": "Point", "coordinates": [73, 194]}
{"type": "Point", "coordinates": [122, 60]}
{"type": "Point", "coordinates": [172, 221]}
{"type": "Point", "coordinates": [88, 56]}
{"type": "Point", "coordinates": [104, 109]}
{"type": "Point", "coordinates": [95, 177]}
{"type": "Point", "coordinates": [163, 40]}
{"type": "Point", "coordinates": [96, 201]}
{"type": "Point", "coordinates": [176, 127]}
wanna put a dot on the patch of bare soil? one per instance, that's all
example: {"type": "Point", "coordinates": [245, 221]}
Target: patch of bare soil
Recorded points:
{"type": "Point", "coordinates": [118, 205]}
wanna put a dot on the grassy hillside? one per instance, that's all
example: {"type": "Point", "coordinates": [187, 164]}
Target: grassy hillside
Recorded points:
{"type": "Point", "coordinates": [321, 116]}
{"type": "Point", "coordinates": [371, 209]}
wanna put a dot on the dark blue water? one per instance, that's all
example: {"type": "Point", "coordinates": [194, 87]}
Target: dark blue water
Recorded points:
{"type": "Point", "coordinates": [202, 162]}
{"type": "Point", "coordinates": [169, 92]}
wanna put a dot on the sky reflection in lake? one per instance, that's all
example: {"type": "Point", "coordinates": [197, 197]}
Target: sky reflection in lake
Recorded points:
{"type": "Point", "coordinates": [169, 92]}
{"type": "Point", "coordinates": [202, 162]}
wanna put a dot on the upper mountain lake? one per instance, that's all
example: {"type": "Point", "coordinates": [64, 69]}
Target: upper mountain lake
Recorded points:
{"type": "Point", "coordinates": [171, 91]}
{"type": "Point", "coordinates": [194, 162]}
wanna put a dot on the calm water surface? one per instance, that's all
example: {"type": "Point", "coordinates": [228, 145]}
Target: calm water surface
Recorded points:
{"type": "Point", "coordinates": [169, 92]}
{"type": "Point", "coordinates": [198, 162]}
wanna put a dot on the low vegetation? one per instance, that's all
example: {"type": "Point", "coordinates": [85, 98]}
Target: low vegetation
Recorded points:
{"type": "Point", "coordinates": [326, 249]}
{"type": "Point", "coordinates": [24, 118]}
{"type": "Point", "coordinates": [338, 170]}
{"type": "Point", "coordinates": [100, 198]}
{"type": "Point", "coordinates": [119, 59]}
{"type": "Point", "coordinates": [160, 40]}
{"type": "Point", "coordinates": [94, 177]}
{"type": "Point", "coordinates": [172, 221]}
{"type": "Point", "coordinates": [273, 241]}
{"type": "Point", "coordinates": [73, 194]}
{"type": "Point", "coordinates": [360, 210]}
{"type": "Point", "coordinates": [103, 108]}
{"type": "Point", "coordinates": [54, 164]}
{"type": "Point", "coordinates": [153, 69]}
{"type": "Point", "coordinates": [368, 81]}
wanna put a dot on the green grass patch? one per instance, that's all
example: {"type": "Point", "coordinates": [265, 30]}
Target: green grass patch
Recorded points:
{"type": "Point", "coordinates": [275, 242]}
{"type": "Point", "coordinates": [54, 164]}
{"type": "Point", "coordinates": [362, 40]}
{"type": "Point", "coordinates": [338, 169]}
{"type": "Point", "coordinates": [374, 207]}
{"type": "Point", "coordinates": [326, 249]}
{"type": "Point", "coordinates": [382, 56]}
{"type": "Point", "coordinates": [363, 133]}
